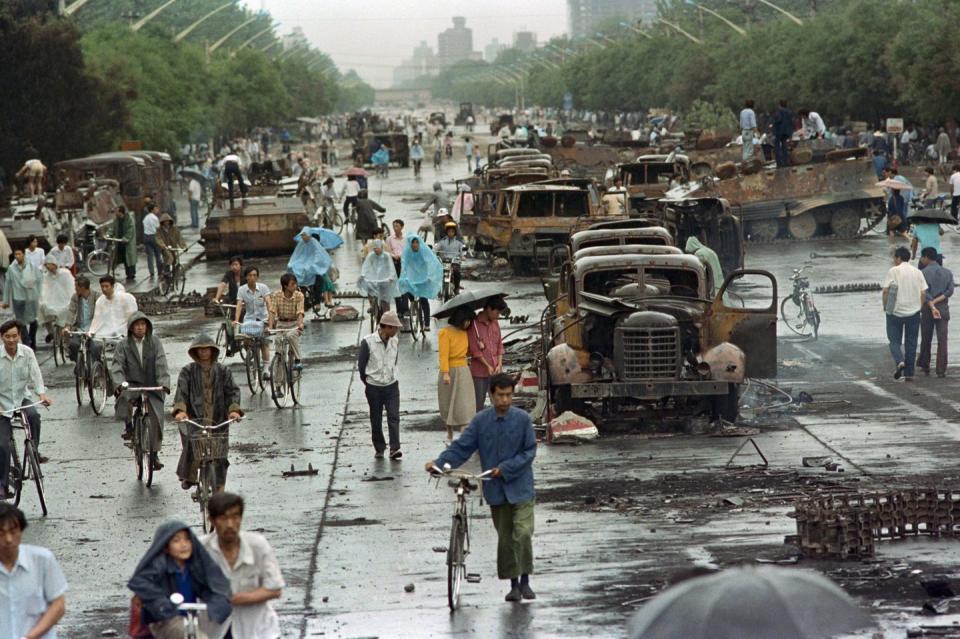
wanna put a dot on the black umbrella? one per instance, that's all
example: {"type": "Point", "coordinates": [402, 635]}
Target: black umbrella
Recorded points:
{"type": "Point", "coordinates": [750, 603]}
{"type": "Point", "coordinates": [195, 174]}
{"type": "Point", "coordinates": [474, 300]}
{"type": "Point", "coordinates": [932, 216]}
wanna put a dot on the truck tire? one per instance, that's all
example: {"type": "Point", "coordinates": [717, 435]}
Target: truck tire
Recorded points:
{"type": "Point", "coordinates": [727, 407]}
{"type": "Point", "coordinates": [726, 170]}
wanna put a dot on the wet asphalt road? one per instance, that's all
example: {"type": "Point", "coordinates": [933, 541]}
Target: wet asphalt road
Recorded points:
{"type": "Point", "coordinates": [352, 536]}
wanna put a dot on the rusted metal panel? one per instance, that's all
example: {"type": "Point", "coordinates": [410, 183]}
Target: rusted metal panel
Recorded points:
{"type": "Point", "coordinates": [263, 226]}
{"type": "Point", "coordinates": [647, 390]}
{"type": "Point", "coordinates": [754, 330]}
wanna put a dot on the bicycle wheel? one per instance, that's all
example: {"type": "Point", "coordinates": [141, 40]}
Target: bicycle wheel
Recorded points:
{"type": "Point", "coordinates": [57, 344]}
{"type": "Point", "coordinates": [164, 284]}
{"type": "Point", "coordinates": [456, 568]}
{"type": "Point", "coordinates": [221, 341]}
{"type": "Point", "coordinates": [794, 316]}
{"type": "Point", "coordinates": [30, 457]}
{"type": "Point", "coordinates": [249, 362]}
{"type": "Point", "coordinates": [416, 325]}
{"type": "Point", "coordinates": [278, 380]}
{"type": "Point", "coordinates": [15, 477]}
{"type": "Point", "coordinates": [98, 388]}
{"type": "Point", "coordinates": [293, 377]}
{"type": "Point", "coordinates": [208, 486]}
{"type": "Point", "coordinates": [98, 262]}
{"type": "Point", "coordinates": [179, 279]}
{"type": "Point", "coordinates": [814, 320]}
{"type": "Point", "coordinates": [137, 441]}
{"type": "Point", "coordinates": [80, 380]}
{"type": "Point", "coordinates": [258, 357]}
{"type": "Point", "coordinates": [336, 222]}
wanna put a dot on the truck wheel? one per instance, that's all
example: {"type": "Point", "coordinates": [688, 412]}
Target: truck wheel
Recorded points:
{"type": "Point", "coordinates": [727, 407]}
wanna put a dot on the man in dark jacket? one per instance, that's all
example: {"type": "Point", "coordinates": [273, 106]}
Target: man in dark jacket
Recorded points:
{"type": "Point", "coordinates": [782, 132]}
{"type": "Point", "coordinates": [201, 379]}
{"type": "Point", "coordinates": [367, 217]}
{"type": "Point", "coordinates": [139, 360]}
{"type": "Point", "coordinates": [81, 309]}
{"type": "Point", "coordinates": [178, 562]}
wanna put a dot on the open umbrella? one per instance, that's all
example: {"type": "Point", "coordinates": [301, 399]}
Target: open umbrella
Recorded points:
{"type": "Point", "coordinates": [471, 299]}
{"type": "Point", "coordinates": [894, 184]}
{"type": "Point", "coordinates": [933, 216]}
{"type": "Point", "coordinates": [354, 171]}
{"type": "Point", "coordinates": [750, 603]}
{"type": "Point", "coordinates": [195, 174]}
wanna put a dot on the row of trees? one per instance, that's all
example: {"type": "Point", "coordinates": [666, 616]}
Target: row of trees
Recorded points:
{"type": "Point", "coordinates": [851, 59]}
{"type": "Point", "coordinates": [79, 85]}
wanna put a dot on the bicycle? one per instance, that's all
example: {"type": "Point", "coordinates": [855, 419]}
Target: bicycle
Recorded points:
{"type": "Point", "coordinates": [208, 447]}
{"type": "Point", "coordinates": [463, 484]}
{"type": "Point", "coordinates": [226, 334]}
{"type": "Point", "coordinates": [448, 290]}
{"type": "Point", "coordinates": [142, 442]}
{"type": "Point", "coordinates": [191, 624]}
{"type": "Point", "coordinates": [91, 375]}
{"type": "Point", "coordinates": [375, 310]}
{"type": "Point", "coordinates": [102, 262]}
{"type": "Point", "coordinates": [798, 309]}
{"type": "Point", "coordinates": [30, 468]}
{"type": "Point", "coordinates": [329, 216]}
{"type": "Point", "coordinates": [59, 346]}
{"type": "Point", "coordinates": [173, 278]}
{"type": "Point", "coordinates": [250, 349]}
{"type": "Point", "coordinates": [284, 377]}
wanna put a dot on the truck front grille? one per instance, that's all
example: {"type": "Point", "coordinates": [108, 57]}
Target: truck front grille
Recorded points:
{"type": "Point", "coordinates": [648, 353]}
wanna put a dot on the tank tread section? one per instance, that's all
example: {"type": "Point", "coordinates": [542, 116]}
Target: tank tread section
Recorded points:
{"type": "Point", "coordinates": [871, 224]}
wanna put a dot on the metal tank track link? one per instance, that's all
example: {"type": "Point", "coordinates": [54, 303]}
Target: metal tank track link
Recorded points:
{"type": "Point", "coordinates": [872, 223]}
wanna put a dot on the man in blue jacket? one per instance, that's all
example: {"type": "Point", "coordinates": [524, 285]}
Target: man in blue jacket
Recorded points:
{"type": "Point", "coordinates": [503, 436]}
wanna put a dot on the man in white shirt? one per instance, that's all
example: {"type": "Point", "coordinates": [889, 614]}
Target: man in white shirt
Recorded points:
{"type": "Point", "coordinates": [748, 128]}
{"type": "Point", "coordinates": [151, 222]}
{"type": "Point", "coordinates": [904, 294]}
{"type": "Point", "coordinates": [112, 310]}
{"type": "Point", "coordinates": [813, 126]}
{"type": "Point", "coordinates": [62, 253]}
{"type": "Point", "coordinates": [230, 166]}
{"type": "Point", "coordinates": [955, 190]}
{"type": "Point", "coordinates": [248, 561]}
{"type": "Point", "coordinates": [195, 192]}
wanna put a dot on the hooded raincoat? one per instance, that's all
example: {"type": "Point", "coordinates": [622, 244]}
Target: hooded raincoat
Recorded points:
{"type": "Point", "coordinates": [190, 398]}
{"type": "Point", "coordinates": [149, 370]}
{"type": "Point", "coordinates": [56, 291]}
{"type": "Point", "coordinates": [327, 238]}
{"type": "Point", "coordinates": [421, 273]}
{"type": "Point", "coordinates": [378, 277]}
{"type": "Point", "coordinates": [310, 259]}
{"type": "Point", "coordinates": [154, 579]}
{"type": "Point", "coordinates": [126, 229]}
{"type": "Point", "coordinates": [709, 259]}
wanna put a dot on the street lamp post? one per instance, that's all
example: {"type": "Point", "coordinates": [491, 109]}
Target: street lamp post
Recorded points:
{"type": "Point", "coordinates": [251, 39]}
{"type": "Point", "coordinates": [183, 34]}
{"type": "Point", "coordinates": [216, 45]}
{"type": "Point", "coordinates": [680, 30]}
{"type": "Point", "coordinates": [71, 9]}
{"type": "Point", "coordinates": [136, 26]}
{"type": "Point", "coordinates": [636, 30]}
{"type": "Point", "coordinates": [782, 10]}
{"type": "Point", "coordinates": [730, 24]}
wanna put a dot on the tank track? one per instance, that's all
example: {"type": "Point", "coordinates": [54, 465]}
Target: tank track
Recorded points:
{"type": "Point", "coordinates": [872, 222]}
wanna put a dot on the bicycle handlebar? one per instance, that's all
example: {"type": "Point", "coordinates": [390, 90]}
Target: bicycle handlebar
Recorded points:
{"type": "Point", "coordinates": [284, 331]}
{"type": "Point", "coordinates": [220, 425]}
{"type": "Point", "coordinates": [456, 473]}
{"type": "Point", "coordinates": [140, 389]}
{"type": "Point", "coordinates": [20, 408]}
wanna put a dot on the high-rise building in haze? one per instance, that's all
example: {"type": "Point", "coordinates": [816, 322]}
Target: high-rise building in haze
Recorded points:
{"type": "Point", "coordinates": [295, 38]}
{"type": "Point", "coordinates": [585, 15]}
{"type": "Point", "coordinates": [455, 44]}
{"type": "Point", "coordinates": [525, 41]}
{"type": "Point", "coordinates": [422, 64]}
{"type": "Point", "coordinates": [492, 50]}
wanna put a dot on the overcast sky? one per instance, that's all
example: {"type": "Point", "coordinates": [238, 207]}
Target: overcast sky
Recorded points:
{"type": "Point", "coordinates": [372, 36]}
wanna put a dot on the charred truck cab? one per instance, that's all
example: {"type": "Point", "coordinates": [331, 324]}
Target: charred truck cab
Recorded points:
{"type": "Point", "coordinates": [636, 335]}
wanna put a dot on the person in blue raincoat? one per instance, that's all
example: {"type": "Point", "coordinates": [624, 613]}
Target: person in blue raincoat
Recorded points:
{"type": "Point", "coordinates": [378, 278]}
{"type": "Point", "coordinates": [310, 262]}
{"type": "Point", "coordinates": [421, 275]}
{"type": "Point", "coordinates": [381, 160]}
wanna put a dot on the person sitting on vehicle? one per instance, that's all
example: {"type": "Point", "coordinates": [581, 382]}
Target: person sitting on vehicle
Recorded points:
{"type": "Point", "coordinates": [63, 254]}
{"type": "Point", "coordinates": [207, 394]}
{"type": "Point", "coordinates": [177, 562]}
{"type": "Point", "coordinates": [168, 237]}
{"type": "Point", "coordinates": [56, 287]}
{"type": "Point", "coordinates": [32, 173]}
{"type": "Point", "coordinates": [310, 263]}
{"type": "Point", "coordinates": [378, 279]}
{"type": "Point", "coordinates": [80, 316]}
{"type": "Point", "coordinates": [230, 166]}
{"type": "Point", "coordinates": [450, 249]}
{"type": "Point", "coordinates": [367, 222]}
{"type": "Point", "coordinates": [421, 276]}
{"type": "Point", "coordinates": [252, 298]}
{"type": "Point", "coordinates": [709, 259]}
{"type": "Point", "coordinates": [286, 312]}
{"type": "Point", "coordinates": [140, 360]}
{"type": "Point", "coordinates": [112, 310]}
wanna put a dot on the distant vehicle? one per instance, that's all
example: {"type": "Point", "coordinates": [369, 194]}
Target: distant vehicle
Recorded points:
{"type": "Point", "coordinates": [398, 143]}
{"type": "Point", "coordinates": [466, 110]}
{"type": "Point", "coordinates": [438, 117]}
{"type": "Point", "coordinates": [502, 120]}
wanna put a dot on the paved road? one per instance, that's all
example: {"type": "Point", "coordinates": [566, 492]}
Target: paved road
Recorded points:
{"type": "Point", "coordinates": [616, 520]}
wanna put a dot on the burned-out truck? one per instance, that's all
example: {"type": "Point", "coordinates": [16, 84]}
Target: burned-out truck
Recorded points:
{"type": "Point", "coordinates": [637, 335]}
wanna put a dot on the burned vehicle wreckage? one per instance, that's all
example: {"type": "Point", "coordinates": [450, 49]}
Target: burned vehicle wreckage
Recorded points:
{"type": "Point", "coordinates": [636, 331]}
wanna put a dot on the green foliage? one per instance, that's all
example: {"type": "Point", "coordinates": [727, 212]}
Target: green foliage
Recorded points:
{"type": "Point", "coordinates": [353, 93]}
{"type": "Point", "coordinates": [707, 115]}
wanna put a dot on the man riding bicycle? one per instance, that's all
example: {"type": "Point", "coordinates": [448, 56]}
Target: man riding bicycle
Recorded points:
{"type": "Point", "coordinates": [139, 360]}
{"type": "Point", "coordinates": [82, 303]}
{"type": "Point", "coordinates": [21, 383]}
{"type": "Point", "coordinates": [285, 309]}
{"type": "Point", "coordinates": [450, 249]}
{"type": "Point", "coordinates": [207, 394]}
{"type": "Point", "coordinates": [168, 238]}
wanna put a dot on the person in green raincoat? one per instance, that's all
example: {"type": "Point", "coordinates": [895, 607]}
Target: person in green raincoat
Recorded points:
{"type": "Point", "coordinates": [125, 228]}
{"type": "Point", "coordinates": [709, 258]}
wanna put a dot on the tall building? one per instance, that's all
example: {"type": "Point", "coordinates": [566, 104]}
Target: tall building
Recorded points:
{"type": "Point", "coordinates": [455, 44]}
{"type": "Point", "coordinates": [492, 50]}
{"type": "Point", "coordinates": [423, 63]}
{"type": "Point", "coordinates": [585, 15]}
{"type": "Point", "coordinates": [525, 41]}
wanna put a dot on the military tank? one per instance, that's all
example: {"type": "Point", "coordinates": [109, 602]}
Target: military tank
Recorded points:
{"type": "Point", "coordinates": [259, 225]}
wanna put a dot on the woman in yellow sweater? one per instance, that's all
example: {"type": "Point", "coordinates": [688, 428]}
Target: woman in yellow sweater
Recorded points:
{"type": "Point", "coordinates": [455, 385]}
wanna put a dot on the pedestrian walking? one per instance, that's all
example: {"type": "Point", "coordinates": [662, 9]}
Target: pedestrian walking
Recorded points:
{"type": "Point", "coordinates": [486, 347]}
{"type": "Point", "coordinates": [125, 229]}
{"type": "Point", "coordinates": [377, 365]}
{"type": "Point", "coordinates": [151, 224]}
{"type": "Point", "coordinates": [748, 129]}
{"type": "Point", "coordinates": [249, 563]}
{"type": "Point", "coordinates": [32, 585]}
{"type": "Point", "coordinates": [177, 562]}
{"type": "Point", "coordinates": [468, 151]}
{"type": "Point", "coordinates": [195, 192]}
{"type": "Point", "coordinates": [21, 292]}
{"type": "Point", "coordinates": [139, 360]}
{"type": "Point", "coordinates": [926, 234]}
{"type": "Point", "coordinates": [955, 191]}
{"type": "Point", "coordinates": [931, 188]}
{"type": "Point", "coordinates": [416, 156]}
{"type": "Point", "coordinates": [455, 393]}
{"type": "Point", "coordinates": [503, 436]}
{"type": "Point", "coordinates": [206, 393]}
{"type": "Point", "coordinates": [477, 157]}
{"type": "Point", "coordinates": [935, 314]}
{"type": "Point", "coordinates": [782, 132]}
{"type": "Point", "coordinates": [34, 254]}
{"type": "Point", "coordinates": [904, 294]}
{"type": "Point", "coordinates": [942, 147]}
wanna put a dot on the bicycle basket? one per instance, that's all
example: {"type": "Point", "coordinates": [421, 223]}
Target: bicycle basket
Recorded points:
{"type": "Point", "coordinates": [209, 446]}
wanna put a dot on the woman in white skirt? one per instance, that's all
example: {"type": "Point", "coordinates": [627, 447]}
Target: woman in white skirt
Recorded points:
{"type": "Point", "coordinates": [455, 384]}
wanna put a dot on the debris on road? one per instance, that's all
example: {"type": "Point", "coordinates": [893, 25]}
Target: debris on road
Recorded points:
{"type": "Point", "coordinates": [344, 314]}
{"type": "Point", "coordinates": [300, 473]}
{"type": "Point", "coordinates": [569, 428]}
